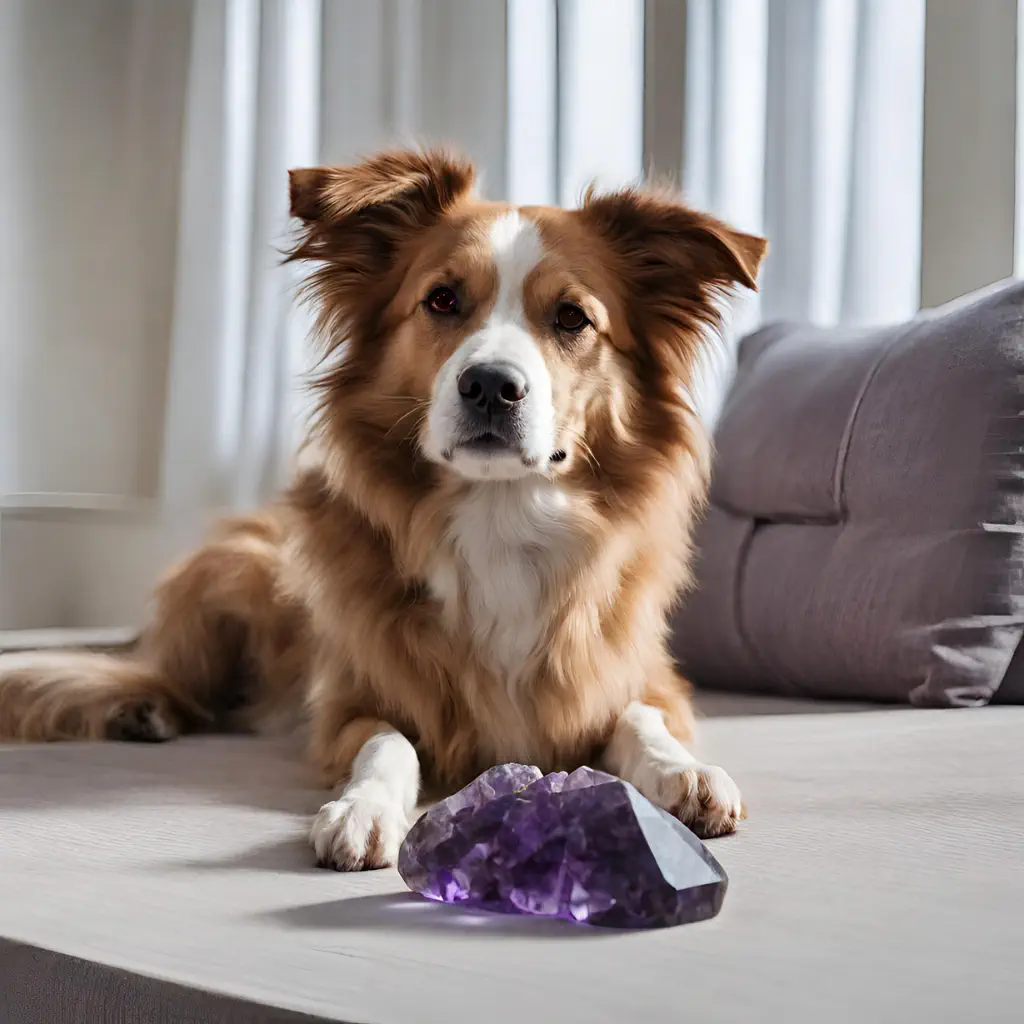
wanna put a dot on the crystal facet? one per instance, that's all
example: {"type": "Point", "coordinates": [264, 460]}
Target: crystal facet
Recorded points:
{"type": "Point", "coordinates": [585, 847]}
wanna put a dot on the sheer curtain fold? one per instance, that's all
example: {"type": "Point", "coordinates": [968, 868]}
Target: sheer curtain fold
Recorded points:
{"type": "Point", "coordinates": [804, 121]}
{"type": "Point", "coordinates": [253, 111]}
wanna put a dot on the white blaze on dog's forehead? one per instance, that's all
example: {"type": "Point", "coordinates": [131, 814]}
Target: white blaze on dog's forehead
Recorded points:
{"type": "Point", "coordinates": [505, 337]}
{"type": "Point", "coordinates": [516, 248]}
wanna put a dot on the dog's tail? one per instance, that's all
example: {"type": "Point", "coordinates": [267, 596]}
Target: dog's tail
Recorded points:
{"type": "Point", "coordinates": [221, 652]}
{"type": "Point", "coordinates": [59, 695]}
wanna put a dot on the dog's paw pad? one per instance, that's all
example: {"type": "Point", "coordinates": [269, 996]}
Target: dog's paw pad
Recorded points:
{"type": "Point", "coordinates": [358, 833]}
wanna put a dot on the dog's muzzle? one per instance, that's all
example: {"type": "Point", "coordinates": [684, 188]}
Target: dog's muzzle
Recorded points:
{"type": "Point", "coordinates": [489, 409]}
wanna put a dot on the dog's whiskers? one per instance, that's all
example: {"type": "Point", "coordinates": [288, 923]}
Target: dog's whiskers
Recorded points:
{"type": "Point", "coordinates": [416, 428]}
{"type": "Point", "coordinates": [420, 407]}
{"type": "Point", "coordinates": [588, 452]}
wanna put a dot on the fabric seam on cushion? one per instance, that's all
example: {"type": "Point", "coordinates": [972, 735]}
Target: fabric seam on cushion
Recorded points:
{"type": "Point", "coordinates": [777, 519]}
{"type": "Point", "coordinates": [846, 441]}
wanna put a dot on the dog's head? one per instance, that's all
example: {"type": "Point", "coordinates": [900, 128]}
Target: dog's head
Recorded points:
{"type": "Point", "coordinates": [497, 342]}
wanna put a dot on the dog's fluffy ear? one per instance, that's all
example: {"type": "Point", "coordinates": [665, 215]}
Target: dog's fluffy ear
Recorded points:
{"type": "Point", "coordinates": [419, 185]}
{"type": "Point", "coordinates": [656, 233]}
{"type": "Point", "coordinates": [358, 224]}
{"type": "Point", "coordinates": [673, 261]}
{"type": "Point", "coordinates": [305, 188]}
{"type": "Point", "coordinates": [740, 254]}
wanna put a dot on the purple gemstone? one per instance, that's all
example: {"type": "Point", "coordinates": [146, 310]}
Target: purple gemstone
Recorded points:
{"type": "Point", "coordinates": [585, 847]}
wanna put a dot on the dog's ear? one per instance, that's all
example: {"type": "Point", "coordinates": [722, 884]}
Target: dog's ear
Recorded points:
{"type": "Point", "coordinates": [305, 190]}
{"type": "Point", "coordinates": [358, 223]}
{"type": "Point", "coordinates": [674, 262]}
{"type": "Point", "coordinates": [401, 188]}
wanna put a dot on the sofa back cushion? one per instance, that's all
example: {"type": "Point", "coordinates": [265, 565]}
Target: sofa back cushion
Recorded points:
{"type": "Point", "coordinates": [866, 531]}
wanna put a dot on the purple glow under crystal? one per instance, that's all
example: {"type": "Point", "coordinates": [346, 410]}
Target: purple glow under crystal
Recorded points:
{"type": "Point", "coordinates": [585, 847]}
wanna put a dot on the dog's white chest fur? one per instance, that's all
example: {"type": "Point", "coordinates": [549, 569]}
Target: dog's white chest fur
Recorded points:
{"type": "Point", "coordinates": [506, 540]}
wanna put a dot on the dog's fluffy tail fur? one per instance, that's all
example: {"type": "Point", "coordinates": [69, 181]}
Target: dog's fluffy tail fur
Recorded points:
{"type": "Point", "coordinates": [222, 652]}
{"type": "Point", "coordinates": [64, 696]}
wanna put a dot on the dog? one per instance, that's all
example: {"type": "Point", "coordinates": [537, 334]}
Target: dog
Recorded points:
{"type": "Point", "coordinates": [489, 521]}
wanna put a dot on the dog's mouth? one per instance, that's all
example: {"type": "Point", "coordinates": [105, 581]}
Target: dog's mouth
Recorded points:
{"type": "Point", "coordinates": [491, 444]}
{"type": "Point", "coordinates": [487, 443]}
{"type": "Point", "coordinates": [496, 451]}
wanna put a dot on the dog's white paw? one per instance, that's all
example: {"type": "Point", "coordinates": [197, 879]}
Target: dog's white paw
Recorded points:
{"type": "Point", "coordinates": [360, 830]}
{"type": "Point", "coordinates": [702, 796]}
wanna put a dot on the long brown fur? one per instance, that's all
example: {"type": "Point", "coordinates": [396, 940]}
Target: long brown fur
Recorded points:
{"type": "Point", "coordinates": [320, 605]}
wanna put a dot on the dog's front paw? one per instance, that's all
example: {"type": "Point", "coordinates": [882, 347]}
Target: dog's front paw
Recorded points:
{"type": "Point", "coordinates": [702, 796]}
{"type": "Point", "coordinates": [360, 830]}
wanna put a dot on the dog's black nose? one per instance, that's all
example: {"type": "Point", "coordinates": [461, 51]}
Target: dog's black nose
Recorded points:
{"type": "Point", "coordinates": [493, 387]}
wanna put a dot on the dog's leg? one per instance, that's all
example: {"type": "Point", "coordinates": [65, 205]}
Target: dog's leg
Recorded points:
{"type": "Point", "coordinates": [643, 752]}
{"type": "Point", "coordinates": [365, 826]}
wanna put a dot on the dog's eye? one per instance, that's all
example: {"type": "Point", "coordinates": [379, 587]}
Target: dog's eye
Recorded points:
{"type": "Point", "coordinates": [570, 318]}
{"type": "Point", "coordinates": [444, 301]}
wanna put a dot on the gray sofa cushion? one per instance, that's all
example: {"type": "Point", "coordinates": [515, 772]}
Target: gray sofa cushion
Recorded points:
{"type": "Point", "coordinates": [864, 538]}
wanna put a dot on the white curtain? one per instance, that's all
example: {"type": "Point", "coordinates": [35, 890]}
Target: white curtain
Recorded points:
{"type": "Point", "coordinates": [804, 123]}
{"type": "Point", "coordinates": [253, 110]}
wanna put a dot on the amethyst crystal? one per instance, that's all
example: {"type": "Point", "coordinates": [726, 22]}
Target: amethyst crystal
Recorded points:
{"type": "Point", "coordinates": [584, 847]}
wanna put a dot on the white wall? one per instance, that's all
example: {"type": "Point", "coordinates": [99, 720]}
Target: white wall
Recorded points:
{"type": "Point", "coordinates": [91, 106]}
{"type": "Point", "coordinates": [90, 118]}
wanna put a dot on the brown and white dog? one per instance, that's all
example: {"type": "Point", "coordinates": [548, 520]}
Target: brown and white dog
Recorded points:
{"type": "Point", "coordinates": [489, 523]}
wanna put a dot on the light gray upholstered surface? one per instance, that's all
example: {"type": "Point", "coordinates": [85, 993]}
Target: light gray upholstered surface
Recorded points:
{"type": "Point", "coordinates": [865, 537]}
{"type": "Point", "coordinates": [880, 878]}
